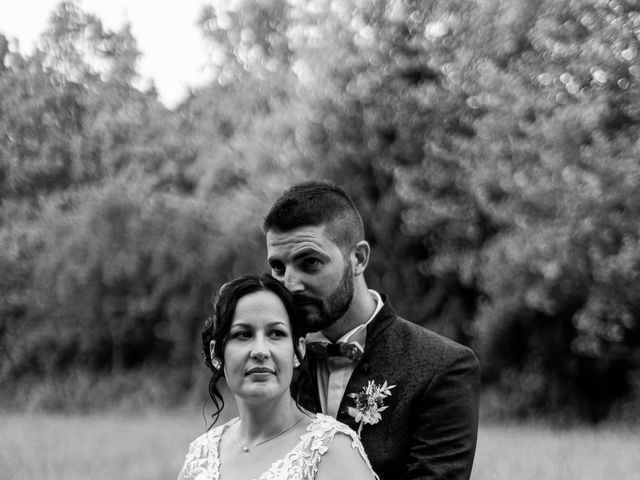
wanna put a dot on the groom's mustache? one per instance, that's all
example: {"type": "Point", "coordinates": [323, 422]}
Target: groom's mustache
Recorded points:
{"type": "Point", "coordinates": [300, 300]}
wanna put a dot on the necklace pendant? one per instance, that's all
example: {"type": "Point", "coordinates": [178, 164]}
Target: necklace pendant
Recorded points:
{"type": "Point", "coordinates": [245, 449]}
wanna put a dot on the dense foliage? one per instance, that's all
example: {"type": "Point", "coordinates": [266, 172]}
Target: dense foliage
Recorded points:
{"type": "Point", "coordinates": [492, 148]}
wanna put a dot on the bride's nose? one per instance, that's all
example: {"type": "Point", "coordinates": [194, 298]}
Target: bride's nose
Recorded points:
{"type": "Point", "coordinates": [259, 349]}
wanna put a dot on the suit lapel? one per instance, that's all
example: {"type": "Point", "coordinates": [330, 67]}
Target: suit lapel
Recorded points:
{"type": "Point", "coordinates": [383, 320]}
{"type": "Point", "coordinates": [363, 371]}
{"type": "Point", "coordinates": [310, 398]}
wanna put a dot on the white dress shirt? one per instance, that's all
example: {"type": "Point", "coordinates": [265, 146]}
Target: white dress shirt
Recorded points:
{"type": "Point", "coordinates": [333, 373]}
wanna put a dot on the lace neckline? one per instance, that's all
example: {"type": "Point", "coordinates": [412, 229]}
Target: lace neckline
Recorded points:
{"type": "Point", "coordinates": [216, 436]}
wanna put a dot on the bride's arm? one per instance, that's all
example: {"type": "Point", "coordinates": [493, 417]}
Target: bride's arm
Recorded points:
{"type": "Point", "coordinates": [344, 460]}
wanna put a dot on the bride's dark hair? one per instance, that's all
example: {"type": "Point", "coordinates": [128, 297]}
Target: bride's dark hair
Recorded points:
{"type": "Point", "coordinates": [218, 325]}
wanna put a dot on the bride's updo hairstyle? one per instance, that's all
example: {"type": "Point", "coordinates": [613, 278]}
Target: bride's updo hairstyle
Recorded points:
{"type": "Point", "coordinates": [218, 325]}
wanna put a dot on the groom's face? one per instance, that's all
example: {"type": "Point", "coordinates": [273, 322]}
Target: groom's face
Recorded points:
{"type": "Point", "coordinates": [315, 270]}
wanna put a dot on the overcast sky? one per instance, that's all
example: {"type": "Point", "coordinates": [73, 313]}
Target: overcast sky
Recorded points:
{"type": "Point", "coordinates": [173, 52]}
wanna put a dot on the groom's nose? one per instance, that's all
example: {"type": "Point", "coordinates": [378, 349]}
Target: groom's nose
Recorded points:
{"type": "Point", "coordinates": [292, 281]}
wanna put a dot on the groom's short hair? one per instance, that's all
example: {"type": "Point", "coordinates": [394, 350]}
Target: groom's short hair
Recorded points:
{"type": "Point", "coordinates": [314, 204]}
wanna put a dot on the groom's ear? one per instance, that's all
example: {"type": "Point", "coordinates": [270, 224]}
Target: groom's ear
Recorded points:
{"type": "Point", "coordinates": [361, 253]}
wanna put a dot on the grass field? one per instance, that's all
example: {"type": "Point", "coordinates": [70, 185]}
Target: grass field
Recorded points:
{"type": "Point", "coordinates": [95, 447]}
{"type": "Point", "coordinates": [146, 447]}
{"type": "Point", "coordinates": [541, 453]}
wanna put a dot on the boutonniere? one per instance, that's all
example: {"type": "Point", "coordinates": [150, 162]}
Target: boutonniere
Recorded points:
{"type": "Point", "coordinates": [369, 403]}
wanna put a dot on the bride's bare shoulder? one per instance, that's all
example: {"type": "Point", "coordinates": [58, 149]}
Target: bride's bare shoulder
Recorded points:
{"type": "Point", "coordinates": [345, 456]}
{"type": "Point", "coordinates": [342, 460]}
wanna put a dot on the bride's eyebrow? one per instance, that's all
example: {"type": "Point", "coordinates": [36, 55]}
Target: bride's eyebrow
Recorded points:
{"type": "Point", "coordinates": [278, 324]}
{"type": "Point", "coordinates": [239, 325]}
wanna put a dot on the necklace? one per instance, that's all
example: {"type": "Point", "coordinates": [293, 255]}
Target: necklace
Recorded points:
{"type": "Point", "coordinates": [247, 448]}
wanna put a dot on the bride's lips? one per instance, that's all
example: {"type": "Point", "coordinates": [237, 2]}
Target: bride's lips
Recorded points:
{"type": "Point", "coordinates": [260, 370]}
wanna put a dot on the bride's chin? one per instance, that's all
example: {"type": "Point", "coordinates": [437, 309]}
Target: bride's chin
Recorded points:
{"type": "Point", "coordinates": [259, 392]}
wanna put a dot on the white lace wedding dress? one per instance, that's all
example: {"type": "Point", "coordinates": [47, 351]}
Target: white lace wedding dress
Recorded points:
{"type": "Point", "coordinates": [202, 462]}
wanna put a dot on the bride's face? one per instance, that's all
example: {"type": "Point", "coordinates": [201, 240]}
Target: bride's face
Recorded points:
{"type": "Point", "coordinates": [258, 354]}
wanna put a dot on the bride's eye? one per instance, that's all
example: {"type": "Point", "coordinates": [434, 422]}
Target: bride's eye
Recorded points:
{"type": "Point", "coordinates": [279, 333]}
{"type": "Point", "coordinates": [241, 334]}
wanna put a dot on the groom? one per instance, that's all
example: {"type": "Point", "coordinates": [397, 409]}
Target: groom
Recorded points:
{"type": "Point", "coordinates": [426, 424]}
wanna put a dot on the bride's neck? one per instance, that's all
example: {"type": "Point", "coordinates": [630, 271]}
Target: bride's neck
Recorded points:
{"type": "Point", "coordinates": [259, 421]}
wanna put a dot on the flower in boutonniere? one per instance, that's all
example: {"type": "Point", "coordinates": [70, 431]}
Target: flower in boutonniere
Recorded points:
{"type": "Point", "coordinates": [369, 403]}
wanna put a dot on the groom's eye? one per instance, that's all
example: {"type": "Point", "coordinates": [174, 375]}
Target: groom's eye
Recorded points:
{"type": "Point", "coordinates": [277, 268]}
{"type": "Point", "coordinates": [311, 263]}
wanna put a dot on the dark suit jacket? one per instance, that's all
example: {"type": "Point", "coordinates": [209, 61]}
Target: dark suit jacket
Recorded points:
{"type": "Point", "coordinates": [429, 429]}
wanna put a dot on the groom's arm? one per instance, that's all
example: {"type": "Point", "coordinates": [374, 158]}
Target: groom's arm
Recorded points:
{"type": "Point", "coordinates": [444, 440]}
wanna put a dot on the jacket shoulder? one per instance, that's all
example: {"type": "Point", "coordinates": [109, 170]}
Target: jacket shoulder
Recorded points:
{"type": "Point", "coordinates": [421, 342]}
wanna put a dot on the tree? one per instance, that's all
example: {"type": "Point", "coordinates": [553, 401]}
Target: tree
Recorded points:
{"type": "Point", "coordinates": [496, 141]}
{"type": "Point", "coordinates": [75, 128]}
{"type": "Point", "coordinates": [547, 169]}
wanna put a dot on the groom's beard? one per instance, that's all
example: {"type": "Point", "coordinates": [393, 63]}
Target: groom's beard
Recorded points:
{"type": "Point", "coordinates": [317, 313]}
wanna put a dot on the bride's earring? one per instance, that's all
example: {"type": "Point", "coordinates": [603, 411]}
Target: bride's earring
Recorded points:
{"type": "Point", "coordinates": [296, 362]}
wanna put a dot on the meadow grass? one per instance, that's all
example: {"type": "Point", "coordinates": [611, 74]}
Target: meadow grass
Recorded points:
{"type": "Point", "coordinates": [152, 446]}
{"type": "Point", "coordinates": [537, 452]}
{"type": "Point", "coordinates": [95, 447]}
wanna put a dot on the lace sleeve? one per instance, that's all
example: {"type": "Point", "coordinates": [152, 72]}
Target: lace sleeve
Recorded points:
{"type": "Point", "coordinates": [321, 434]}
{"type": "Point", "coordinates": [201, 462]}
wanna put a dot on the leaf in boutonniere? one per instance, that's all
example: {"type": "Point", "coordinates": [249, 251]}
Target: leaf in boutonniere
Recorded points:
{"type": "Point", "coordinates": [369, 402]}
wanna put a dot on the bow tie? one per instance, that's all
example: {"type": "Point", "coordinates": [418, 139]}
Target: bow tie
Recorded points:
{"type": "Point", "coordinates": [350, 350]}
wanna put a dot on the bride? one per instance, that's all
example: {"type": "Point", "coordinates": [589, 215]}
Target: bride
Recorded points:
{"type": "Point", "coordinates": [255, 343]}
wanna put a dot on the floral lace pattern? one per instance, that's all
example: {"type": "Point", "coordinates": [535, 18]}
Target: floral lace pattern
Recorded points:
{"type": "Point", "coordinates": [202, 462]}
